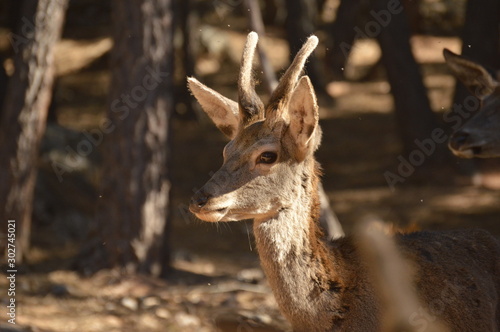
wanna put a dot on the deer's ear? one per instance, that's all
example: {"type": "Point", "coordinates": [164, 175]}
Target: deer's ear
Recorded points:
{"type": "Point", "coordinates": [474, 76]}
{"type": "Point", "coordinates": [223, 111]}
{"type": "Point", "coordinates": [303, 115]}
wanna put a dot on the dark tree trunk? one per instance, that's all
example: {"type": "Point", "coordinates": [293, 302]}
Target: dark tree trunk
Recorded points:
{"type": "Point", "coordinates": [186, 19]}
{"type": "Point", "coordinates": [376, 19]}
{"type": "Point", "coordinates": [413, 112]}
{"type": "Point", "coordinates": [15, 10]}
{"type": "Point", "coordinates": [4, 79]}
{"type": "Point", "coordinates": [355, 13]}
{"type": "Point", "coordinates": [25, 111]}
{"type": "Point", "coordinates": [135, 185]}
{"type": "Point", "coordinates": [299, 24]}
{"type": "Point", "coordinates": [343, 36]}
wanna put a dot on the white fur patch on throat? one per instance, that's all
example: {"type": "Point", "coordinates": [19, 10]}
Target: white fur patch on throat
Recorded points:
{"type": "Point", "coordinates": [288, 232]}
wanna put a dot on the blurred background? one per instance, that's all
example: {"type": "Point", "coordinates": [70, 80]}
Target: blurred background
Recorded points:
{"type": "Point", "coordinates": [102, 145]}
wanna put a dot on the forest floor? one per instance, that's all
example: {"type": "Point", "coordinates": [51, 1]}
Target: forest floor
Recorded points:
{"type": "Point", "coordinates": [217, 283]}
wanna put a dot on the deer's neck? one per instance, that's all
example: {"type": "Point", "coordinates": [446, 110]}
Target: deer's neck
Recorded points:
{"type": "Point", "coordinates": [300, 268]}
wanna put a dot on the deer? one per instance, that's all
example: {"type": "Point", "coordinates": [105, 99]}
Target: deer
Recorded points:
{"type": "Point", "coordinates": [478, 137]}
{"type": "Point", "coordinates": [269, 174]}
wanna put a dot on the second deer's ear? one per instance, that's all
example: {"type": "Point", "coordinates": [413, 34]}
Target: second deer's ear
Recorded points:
{"type": "Point", "coordinates": [223, 111]}
{"type": "Point", "coordinates": [303, 115]}
{"type": "Point", "coordinates": [474, 76]}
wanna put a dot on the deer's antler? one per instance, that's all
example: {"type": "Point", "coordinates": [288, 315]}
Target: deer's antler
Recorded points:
{"type": "Point", "coordinates": [251, 107]}
{"type": "Point", "coordinates": [281, 95]}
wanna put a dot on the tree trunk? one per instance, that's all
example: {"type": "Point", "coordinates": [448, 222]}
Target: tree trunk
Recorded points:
{"type": "Point", "coordinates": [4, 79]}
{"type": "Point", "coordinates": [299, 24]}
{"type": "Point", "coordinates": [187, 20]}
{"type": "Point", "coordinates": [353, 14]}
{"type": "Point", "coordinates": [343, 36]}
{"type": "Point", "coordinates": [25, 111]}
{"type": "Point", "coordinates": [413, 112]}
{"type": "Point", "coordinates": [135, 186]}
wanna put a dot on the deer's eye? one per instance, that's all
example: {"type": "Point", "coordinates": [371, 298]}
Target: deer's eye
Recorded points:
{"type": "Point", "coordinates": [267, 157]}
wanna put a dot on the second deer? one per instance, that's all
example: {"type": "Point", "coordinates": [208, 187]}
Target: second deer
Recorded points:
{"type": "Point", "coordinates": [270, 175]}
{"type": "Point", "coordinates": [480, 136]}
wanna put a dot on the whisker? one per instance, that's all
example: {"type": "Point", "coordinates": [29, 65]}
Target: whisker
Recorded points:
{"type": "Point", "coordinates": [248, 236]}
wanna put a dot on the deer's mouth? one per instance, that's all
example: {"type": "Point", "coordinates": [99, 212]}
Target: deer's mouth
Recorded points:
{"type": "Point", "coordinates": [223, 215]}
{"type": "Point", "coordinates": [469, 151]}
{"type": "Point", "coordinates": [461, 148]}
{"type": "Point", "coordinates": [210, 215]}
{"type": "Point", "coordinates": [465, 145]}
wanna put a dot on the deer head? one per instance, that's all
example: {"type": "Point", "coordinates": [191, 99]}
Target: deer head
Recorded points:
{"type": "Point", "coordinates": [269, 146]}
{"type": "Point", "coordinates": [480, 136]}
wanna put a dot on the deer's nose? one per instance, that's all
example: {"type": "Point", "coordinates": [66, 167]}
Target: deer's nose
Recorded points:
{"type": "Point", "coordinates": [458, 139]}
{"type": "Point", "coordinates": [199, 200]}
